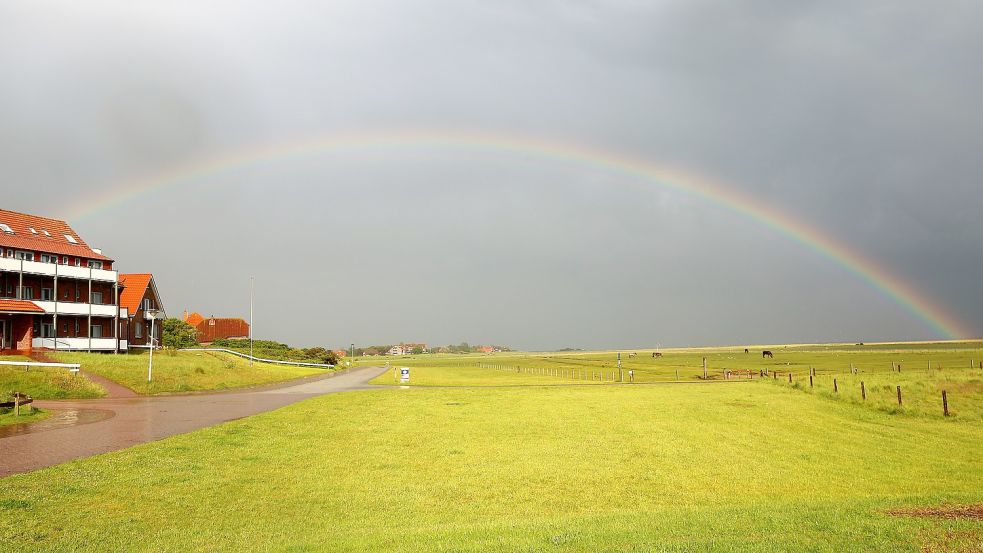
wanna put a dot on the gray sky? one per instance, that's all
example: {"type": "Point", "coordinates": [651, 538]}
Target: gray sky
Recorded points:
{"type": "Point", "coordinates": [861, 119]}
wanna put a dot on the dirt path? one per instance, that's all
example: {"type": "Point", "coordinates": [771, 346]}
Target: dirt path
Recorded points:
{"type": "Point", "coordinates": [81, 428]}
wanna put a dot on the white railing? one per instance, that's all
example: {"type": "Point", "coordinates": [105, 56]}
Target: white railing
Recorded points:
{"type": "Point", "coordinates": [75, 343]}
{"type": "Point", "coordinates": [53, 269]}
{"type": "Point", "coordinates": [70, 308]}
{"type": "Point", "coordinates": [73, 367]}
{"type": "Point", "coordinates": [277, 361]}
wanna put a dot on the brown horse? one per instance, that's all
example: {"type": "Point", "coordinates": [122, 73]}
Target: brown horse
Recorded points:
{"type": "Point", "coordinates": [767, 354]}
{"type": "Point", "coordinates": [656, 354]}
{"type": "Point", "coordinates": [746, 350]}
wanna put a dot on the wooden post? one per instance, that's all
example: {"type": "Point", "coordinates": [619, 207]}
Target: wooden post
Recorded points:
{"type": "Point", "coordinates": [892, 366]}
{"type": "Point", "coordinates": [810, 381]}
{"type": "Point", "coordinates": [945, 404]}
{"type": "Point", "coordinates": [899, 367]}
{"type": "Point", "coordinates": [899, 396]}
{"type": "Point", "coordinates": [863, 391]}
{"type": "Point", "coordinates": [836, 388]}
{"type": "Point", "coordinates": [789, 378]}
{"type": "Point", "coordinates": [16, 405]}
{"type": "Point", "coordinates": [704, 368]}
{"type": "Point", "coordinates": [774, 375]}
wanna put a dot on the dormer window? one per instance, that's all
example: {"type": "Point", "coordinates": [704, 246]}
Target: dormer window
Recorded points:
{"type": "Point", "coordinates": [6, 228]}
{"type": "Point", "coordinates": [45, 231]}
{"type": "Point", "coordinates": [32, 230]}
{"type": "Point", "coordinates": [71, 239]}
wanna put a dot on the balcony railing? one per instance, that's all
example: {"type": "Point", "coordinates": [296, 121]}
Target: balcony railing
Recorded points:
{"type": "Point", "coordinates": [68, 308]}
{"type": "Point", "coordinates": [77, 343]}
{"type": "Point", "coordinates": [53, 269]}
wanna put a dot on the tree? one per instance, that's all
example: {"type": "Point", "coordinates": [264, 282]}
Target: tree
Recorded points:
{"type": "Point", "coordinates": [178, 334]}
{"type": "Point", "coordinates": [417, 350]}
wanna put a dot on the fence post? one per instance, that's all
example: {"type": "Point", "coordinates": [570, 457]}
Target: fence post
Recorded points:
{"type": "Point", "coordinates": [16, 405]}
{"type": "Point", "coordinates": [704, 368]}
{"type": "Point", "coordinates": [810, 381]}
{"type": "Point", "coordinates": [836, 388]}
{"type": "Point", "coordinates": [899, 396]}
{"type": "Point", "coordinates": [789, 378]}
{"type": "Point", "coordinates": [945, 404]}
{"type": "Point", "coordinates": [863, 391]}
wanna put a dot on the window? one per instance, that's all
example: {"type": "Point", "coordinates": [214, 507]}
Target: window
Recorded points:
{"type": "Point", "coordinates": [76, 327]}
{"type": "Point", "coordinates": [45, 231]}
{"type": "Point", "coordinates": [47, 294]}
{"type": "Point", "coordinates": [94, 264]}
{"type": "Point", "coordinates": [26, 293]}
{"type": "Point", "coordinates": [64, 260]}
{"type": "Point", "coordinates": [6, 228]}
{"type": "Point", "coordinates": [138, 331]}
{"type": "Point", "coordinates": [47, 330]}
{"type": "Point", "coordinates": [10, 253]}
{"type": "Point", "coordinates": [71, 239]}
{"type": "Point", "coordinates": [148, 304]}
{"type": "Point", "coordinates": [78, 262]}
{"type": "Point", "coordinates": [26, 256]}
{"type": "Point", "coordinates": [96, 297]}
{"type": "Point", "coordinates": [96, 331]}
{"type": "Point", "coordinates": [32, 230]}
{"type": "Point", "coordinates": [48, 258]}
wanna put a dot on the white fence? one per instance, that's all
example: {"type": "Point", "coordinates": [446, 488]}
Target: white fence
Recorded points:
{"type": "Point", "coordinates": [276, 361]}
{"type": "Point", "coordinates": [73, 367]}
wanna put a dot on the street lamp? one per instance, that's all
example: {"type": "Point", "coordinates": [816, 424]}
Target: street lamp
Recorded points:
{"type": "Point", "coordinates": [151, 314]}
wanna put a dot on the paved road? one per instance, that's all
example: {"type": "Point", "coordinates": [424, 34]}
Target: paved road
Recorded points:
{"type": "Point", "coordinates": [80, 428]}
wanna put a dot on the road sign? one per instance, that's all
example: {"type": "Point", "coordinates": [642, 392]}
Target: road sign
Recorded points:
{"type": "Point", "coordinates": [404, 374]}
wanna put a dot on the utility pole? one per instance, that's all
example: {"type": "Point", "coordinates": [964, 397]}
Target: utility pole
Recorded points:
{"type": "Point", "coordinates": [252, 285]}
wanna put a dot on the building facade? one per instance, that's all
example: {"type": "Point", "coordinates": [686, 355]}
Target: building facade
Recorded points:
{"type": "Point", "coordinates": [141, 301]}
{"type": "Point", "coordinates": [56, 292]}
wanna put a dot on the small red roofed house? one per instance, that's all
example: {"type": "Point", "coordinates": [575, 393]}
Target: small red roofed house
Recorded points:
{"type": "Point", "coordinates": [214, 328]}
{"type": "Point", "coordinates": [142, 302]}
{"type": "Point", "coordinates": [406, 349]}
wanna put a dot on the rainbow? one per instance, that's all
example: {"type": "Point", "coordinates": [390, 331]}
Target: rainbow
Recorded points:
{"type": "Point", "coordinates": [727, 198]}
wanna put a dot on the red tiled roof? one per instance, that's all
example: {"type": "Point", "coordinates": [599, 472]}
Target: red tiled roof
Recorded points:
{"type": "Point", "coordinates": [19, 306]}
{"type": "Point", "coordinates": [135, 285]}
{"type": "Point", "coordinates": [23, 238]}
{"type": "Point", "coordinates": [194, 319]}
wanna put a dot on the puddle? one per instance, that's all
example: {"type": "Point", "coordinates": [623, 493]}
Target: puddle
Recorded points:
{"type": "Point", "coordinates": [60, 418]}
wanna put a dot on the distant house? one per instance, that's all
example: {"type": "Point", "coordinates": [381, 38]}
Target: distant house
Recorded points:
{"type": "Point", "coordinates": [215, 328]}
{"type": "Point", "coordinates": [141, 300]}
{"type": "Point", "coordinates": [406, 349]}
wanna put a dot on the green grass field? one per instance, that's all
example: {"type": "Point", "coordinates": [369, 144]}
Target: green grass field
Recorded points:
{"type": "Point", "coordinates": [184, 371]}
{"type": "Point", "coordinates": [925, 370]}
{"type": "Point", "coordinates": [44, 382]}
{"type": "Point", "coordinates": [737, 466]}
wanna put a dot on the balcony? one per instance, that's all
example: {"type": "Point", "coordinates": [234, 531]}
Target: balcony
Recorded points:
{"type": "Point", "coordinates": [105, 344]}
{"type": "Point", "coordinates": [52, 269]}
{"type": "Point", "coordinates": [69, 308]}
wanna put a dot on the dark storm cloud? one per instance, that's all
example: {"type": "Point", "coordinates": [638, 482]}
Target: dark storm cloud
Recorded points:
{"type": "Point", "coordinates": [860, 119]}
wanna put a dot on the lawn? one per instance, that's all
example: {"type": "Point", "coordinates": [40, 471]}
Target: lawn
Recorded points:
{"type": "Point", "coordinates": [922, 371]}
{"type": "Point", "coordinates": [44, 382]}
{"type": "Point", "coordinates": [184, 371]}
{"type": "Point", "coordinates": [709, 467]}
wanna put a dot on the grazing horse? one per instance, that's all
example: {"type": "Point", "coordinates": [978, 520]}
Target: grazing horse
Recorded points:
{"type": "Point", "coordinates": [656, 354]}
{"type": "Point", "coordinates": [767, 354]}
{"type": "Point", "coordinates": [630, 355]}
{"type": "Point", "coordinates": [746, 350]}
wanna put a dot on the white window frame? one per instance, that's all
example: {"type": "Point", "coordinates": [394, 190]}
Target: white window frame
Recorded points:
{"type": "Point", "coordinates": [92, 298]}
{"type": "Point", "coordinates": [95, 331]}
{"type": "Point", "coordinates": [138, 330]}
{"type": "Point", "coordinates": [26, 256]}
{"type": "Point", "coordinates": [51, 294]}
{"type": "Point", "coordinates": [93, 264]}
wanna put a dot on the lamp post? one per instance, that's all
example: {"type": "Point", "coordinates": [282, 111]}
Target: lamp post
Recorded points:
{"type": "Point", "coordinates": [252, 286]}
{"type": "Point", "coordinates": [353, 352]}
{"type": "Point", "coordinates": [152, 315]}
